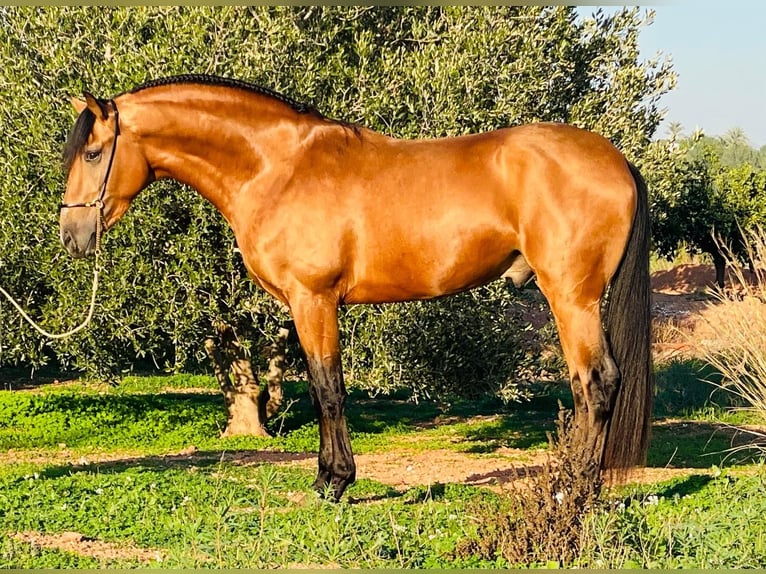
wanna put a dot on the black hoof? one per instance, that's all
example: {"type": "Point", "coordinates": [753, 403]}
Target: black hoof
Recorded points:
{"type": "Point", "coordinates": [322, 480]}
{"type": "Point", "coordinates": [331, 488]}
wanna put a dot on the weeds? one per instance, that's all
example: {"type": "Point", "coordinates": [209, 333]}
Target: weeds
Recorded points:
{"type": "Point", "coordinates": [541, 517]}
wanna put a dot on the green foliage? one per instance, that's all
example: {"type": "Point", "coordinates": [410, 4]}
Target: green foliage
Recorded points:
{"type": "Point", "coordinates": [704, 191]}
{"type": "Point", "coordinates": [170, 269]}
{"type": "Point", "coordinates": [467, 345]}
{"type": "Point", "coordinates": [713, 524]}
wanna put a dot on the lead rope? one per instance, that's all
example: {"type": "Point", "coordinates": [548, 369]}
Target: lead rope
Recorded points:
{"type": "Point", "coordinates": [89, 316]}
{"type": "Point", "coordinates": [98, 203]}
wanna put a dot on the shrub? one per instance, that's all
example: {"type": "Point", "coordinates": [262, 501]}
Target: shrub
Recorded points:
{"type": "Point", "coordinates": [468, 345]}
{"type": "Point", "coordinates": [541, 519]}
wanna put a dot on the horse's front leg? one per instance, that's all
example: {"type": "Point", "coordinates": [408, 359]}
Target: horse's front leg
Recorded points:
{"type": "Point", "coordinates": [316, 321]}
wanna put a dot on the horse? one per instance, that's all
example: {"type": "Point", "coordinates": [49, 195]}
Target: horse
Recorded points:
{"type": "Point", "coordinates": [329, 213]}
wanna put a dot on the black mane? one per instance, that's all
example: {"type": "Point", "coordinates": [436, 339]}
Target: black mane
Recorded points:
{"type": "Point", "coordinates": [208, 80]}
{"type": "Point", "coordinates": [78, 137]}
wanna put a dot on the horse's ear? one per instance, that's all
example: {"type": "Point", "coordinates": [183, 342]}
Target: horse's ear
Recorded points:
{"type": "Point", "coordinates": [78, 104]}
{"type": "Point", "coordinates": [95, 105]}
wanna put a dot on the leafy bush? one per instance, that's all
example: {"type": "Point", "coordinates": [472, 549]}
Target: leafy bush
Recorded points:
{"type": "Point", "coordinates": [467, 345]}
{"type": "Point", "coordinates": [170, 268]}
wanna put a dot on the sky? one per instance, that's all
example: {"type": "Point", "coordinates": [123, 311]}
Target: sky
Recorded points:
{"type": "Point", "coordinates": [718, 50]}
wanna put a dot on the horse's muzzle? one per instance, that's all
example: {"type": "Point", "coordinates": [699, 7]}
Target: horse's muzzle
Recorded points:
{"type": "Point", "coordinates": [78, 244]}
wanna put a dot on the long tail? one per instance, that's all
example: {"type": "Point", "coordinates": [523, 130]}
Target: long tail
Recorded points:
{"type": "Point", "coordinates": [628, 325]}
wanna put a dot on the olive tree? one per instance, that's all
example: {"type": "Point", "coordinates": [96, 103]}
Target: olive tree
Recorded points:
{"type": "Point", "coordinates": [171, 270]}
{"type": "Point", "coordinates": [702, 201]}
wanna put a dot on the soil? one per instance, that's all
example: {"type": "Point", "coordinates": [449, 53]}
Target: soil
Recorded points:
{"type": "Point", "coordinates": [76, 543]}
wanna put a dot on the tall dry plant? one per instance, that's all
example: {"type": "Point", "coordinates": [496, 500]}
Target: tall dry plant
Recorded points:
{"type": "Point", "coordinates": [733, 334]}
{"type": "Point", "coordinates": [542, 514]}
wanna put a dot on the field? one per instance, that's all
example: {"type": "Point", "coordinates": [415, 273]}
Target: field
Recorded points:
{"type": "Point", "coordinates": [137, 476]}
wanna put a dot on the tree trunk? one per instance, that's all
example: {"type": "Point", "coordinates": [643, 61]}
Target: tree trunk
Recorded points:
{"type": "Point", "coordinates": [720, 268]}
{"type": "Point", "coordinates": [271, 396]}
{"type": "Point", "coordinates": [248, 407]}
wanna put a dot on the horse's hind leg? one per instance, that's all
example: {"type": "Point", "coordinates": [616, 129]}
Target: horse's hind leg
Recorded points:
{"type": "Point", "coordinates": [593, 373]}
{"type": "Point", "coordinates": [316, 321]}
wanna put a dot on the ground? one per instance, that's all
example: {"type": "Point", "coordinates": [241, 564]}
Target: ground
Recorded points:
{"type": "Point", "coordinates": [679, 297]}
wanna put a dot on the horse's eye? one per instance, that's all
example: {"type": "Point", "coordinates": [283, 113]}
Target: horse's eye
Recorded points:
{"type": "Point", "coordinates": [92, 155]}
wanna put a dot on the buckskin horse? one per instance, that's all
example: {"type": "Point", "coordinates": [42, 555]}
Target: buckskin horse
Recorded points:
{"type": "Point", "coordinates": [327, 213]}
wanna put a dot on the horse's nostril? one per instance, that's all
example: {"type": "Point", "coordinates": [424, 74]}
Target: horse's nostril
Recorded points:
{"type": "Point", "coordinates": [69, 241]}
{"type": "Point", "coordinates": [66, 238]}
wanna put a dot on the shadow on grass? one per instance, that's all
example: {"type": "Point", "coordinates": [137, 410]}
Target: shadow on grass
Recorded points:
{"type": "Point", "coordinates": [26, 378]}
{"type": "Point", "coordinates": [201, 459]}
{"type": "Point", "coordinates": [508, 431]}
{"type": "Point", "coordinates": [698, 444]}
{"type": "Point", "coordinates": [686, 386]}
{"type": "Point", "coordinates": [685, 486]}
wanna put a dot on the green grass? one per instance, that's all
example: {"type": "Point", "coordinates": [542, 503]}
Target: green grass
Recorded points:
{"type": "Point", "coordinates": [223, 515]}
{"type": "Point", "coordinates": [203, 512]}
{"type": "Point", "coordinates": [693, 522]}
{"type": "Point", "coordinates": [165, 414]}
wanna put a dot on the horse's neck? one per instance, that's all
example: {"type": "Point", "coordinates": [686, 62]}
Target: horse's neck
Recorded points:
{"type": "Point", "coordinates": [215, 146]}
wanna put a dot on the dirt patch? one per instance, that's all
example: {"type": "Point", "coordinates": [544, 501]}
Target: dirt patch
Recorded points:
{"type": "Point", "coordinates": [405, 469]}
{"type": "Point", "coordinates": [77, 543]}
{"type": "Point", "coordinates": [186, 457]}
{"type": "Point", "coordinates": [684, 279]}
{"type": "Point", "coordinates": [691, 278]}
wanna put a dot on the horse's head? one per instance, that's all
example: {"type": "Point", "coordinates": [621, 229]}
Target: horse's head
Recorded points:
{"type": "Point", "coordinates": [106, 171]}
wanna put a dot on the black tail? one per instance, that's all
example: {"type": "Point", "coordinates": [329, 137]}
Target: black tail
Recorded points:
{"type": "Point", "coordinates": [628, 324]}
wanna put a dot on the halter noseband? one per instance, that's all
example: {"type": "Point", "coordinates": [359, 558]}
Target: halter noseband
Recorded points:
{"type": "Point", "coordinates": [99, 201]}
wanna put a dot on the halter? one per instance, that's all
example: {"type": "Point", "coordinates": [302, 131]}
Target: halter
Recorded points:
{"type": "Point", "coordinates": [100, 224]}
{"type": "Point", "coordinates": [99, 201]}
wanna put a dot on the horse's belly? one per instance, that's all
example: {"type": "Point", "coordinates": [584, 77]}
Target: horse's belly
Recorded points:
{"type": "Point", "coordinates": [427, 271]}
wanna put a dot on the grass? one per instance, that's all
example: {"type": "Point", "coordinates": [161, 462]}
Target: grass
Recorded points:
{"type": "Point", "coordinates": [167, 413]}
{"type": "Point", "coordinates": [223, 515]}
{"type": "Point", "coordinates": [205, 512]}
{"type": "Point", "coordinates": [694, 522]}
